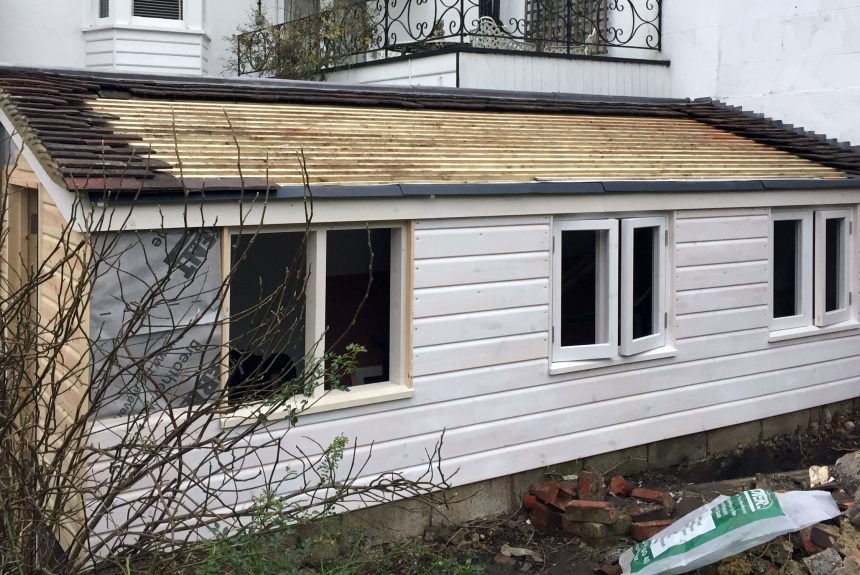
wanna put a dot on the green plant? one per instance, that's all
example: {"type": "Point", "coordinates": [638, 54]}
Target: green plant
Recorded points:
{"type": "Point", "coordinates": [304, 48]}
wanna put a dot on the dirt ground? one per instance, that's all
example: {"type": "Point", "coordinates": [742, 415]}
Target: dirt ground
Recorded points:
{"type": "Point", "coordinates": [700, 481]}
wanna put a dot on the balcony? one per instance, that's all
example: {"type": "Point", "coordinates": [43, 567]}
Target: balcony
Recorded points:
{"type": "Point", "coordinates": [350, 33]}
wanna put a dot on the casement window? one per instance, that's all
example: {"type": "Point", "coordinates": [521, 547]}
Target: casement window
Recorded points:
{"type": "Point", "coordinates": [164, 9]}
{"type": "Point", "coordinates": [297, 295]}
{"type": "Point", "coordinates": [810, 268]}
{"type": "Point", "coordinates": [609, 288]}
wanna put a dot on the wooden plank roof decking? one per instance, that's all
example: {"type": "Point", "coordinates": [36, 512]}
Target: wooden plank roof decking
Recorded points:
{"type": "Point", "coordinates": [129, 132]}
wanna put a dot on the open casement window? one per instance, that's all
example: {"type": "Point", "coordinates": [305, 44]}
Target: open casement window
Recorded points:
{"type": "Point", "coordinates": [791, 269]}
{"type": "Point", "coordinates": [832, 266]}
{"type": "Point", "coordinates": [297, 296]}
{"type": "Point", "coordinates": [585, 294]}
{"type": "Point", "coordinates": [643, 284]}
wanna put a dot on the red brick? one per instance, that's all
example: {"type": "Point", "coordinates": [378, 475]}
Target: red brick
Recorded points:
{"type": "Point", "coordinates": [646, 512]}
{"type": "Point", "coordinates": [607, 569]}
{"type": "Point", "coordinates": [591, 486]}
{"type": "Point", "coordinates": [546, 492]}
{"type": "Point", "coordinates": [590, 511]}
{"type": "Point", "coordinates": [555, 493]}
{"type": "Point", "coordinates": [643, 530]}
{"type": "Point", "coordinates": [597, 531]}
{"type": "Point", "coordinates": [529, 501]}
{"type": "Point", "coordinates": [654, 496]}
{"type": "Point", "coordinates": [619, 487]}
{"type": "Point", "coordinates": [545, 519]}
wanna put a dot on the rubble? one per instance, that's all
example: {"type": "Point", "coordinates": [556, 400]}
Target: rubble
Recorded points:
{"type": "Point", "coordinates": [603, 511]}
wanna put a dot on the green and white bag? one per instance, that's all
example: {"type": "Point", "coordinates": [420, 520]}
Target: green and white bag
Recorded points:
{"type": "Point", "coordinates": [727, 526]}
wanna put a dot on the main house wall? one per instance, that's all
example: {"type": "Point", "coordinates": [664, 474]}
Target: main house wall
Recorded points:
{"type": "Point", "coordinates": [480, 361]}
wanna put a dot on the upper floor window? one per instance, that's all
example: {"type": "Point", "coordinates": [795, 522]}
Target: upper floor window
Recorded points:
{"type": "Point", "coordinates": [165, 9]}
{"type": "Point", "coordinates": [104, 8]}
{"type": "Point", "coordinates": [609, 296]}
{"type": "Point", "coordinates": [810, 268]}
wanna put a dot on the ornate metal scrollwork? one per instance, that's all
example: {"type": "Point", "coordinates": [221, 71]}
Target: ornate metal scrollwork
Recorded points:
{"type": "Point", "coordinates": [395, 27]}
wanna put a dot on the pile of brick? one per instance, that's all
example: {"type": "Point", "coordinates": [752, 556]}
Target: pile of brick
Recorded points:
{"type": "Point", "coordinates": [588, 508]}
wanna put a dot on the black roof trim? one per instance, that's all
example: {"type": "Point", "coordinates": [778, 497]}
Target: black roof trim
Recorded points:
{"type": "Point", "coordinates": [467, 49]}
{"type": "Point", "coordinates": [366, 192]}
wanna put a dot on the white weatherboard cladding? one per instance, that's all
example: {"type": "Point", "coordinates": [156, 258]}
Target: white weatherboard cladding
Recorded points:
{"type": "Point", "coordinates": [480, 357]}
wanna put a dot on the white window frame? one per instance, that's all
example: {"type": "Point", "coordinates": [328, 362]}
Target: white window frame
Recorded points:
{"type": "Point", "coordinates": [398, 385]}
{"type": "Point", "coordinates": [629, 345]}
{"type": "Point", "coordinates": [803, 266]}
{"type": "Point", "coordinates": [606, 304]}
{"type": "Point", "coordinates": [825, 318]}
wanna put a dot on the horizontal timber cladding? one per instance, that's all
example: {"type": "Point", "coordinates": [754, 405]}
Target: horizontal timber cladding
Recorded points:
{"type": "Point", "coordinates": [481, 357]}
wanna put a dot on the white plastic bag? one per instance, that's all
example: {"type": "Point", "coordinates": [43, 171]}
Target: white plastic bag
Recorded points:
{"type": "Point", "coordinates": [727, 526]}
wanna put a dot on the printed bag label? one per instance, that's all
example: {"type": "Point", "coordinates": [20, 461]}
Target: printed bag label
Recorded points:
{"type": "Point", "coordinates": [737, 511]}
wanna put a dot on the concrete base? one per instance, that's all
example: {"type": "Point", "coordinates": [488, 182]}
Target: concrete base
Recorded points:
{"type": "Point", "coordinates": [411, 518]}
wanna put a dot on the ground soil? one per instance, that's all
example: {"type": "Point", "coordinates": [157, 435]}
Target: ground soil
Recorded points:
{"type": "Point", "coordinates": [822, 445]}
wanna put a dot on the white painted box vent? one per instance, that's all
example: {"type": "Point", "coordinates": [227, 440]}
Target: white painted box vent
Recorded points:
{"type": "Point", "coordinates": [166, 9]}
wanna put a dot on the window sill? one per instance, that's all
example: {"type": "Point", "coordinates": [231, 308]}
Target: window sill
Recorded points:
{"type": "Point", "coordinates": [336, 399]}
{"type": "Point", "coordinates": [559, 367]}
{"type": "Point", "coordinates": [811, 331]}
{"type": "Point", "coordinates": [177, 27]}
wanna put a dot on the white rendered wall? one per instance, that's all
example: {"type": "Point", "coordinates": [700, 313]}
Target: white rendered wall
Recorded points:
{"type": "Point", "coordinates": [43, 33]}
{"type": "Point", "coordinates": [795, 61]}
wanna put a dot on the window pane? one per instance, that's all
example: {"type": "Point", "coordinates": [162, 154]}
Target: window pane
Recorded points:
{"type": "Point", "coordinates": [267, 313]}
{"type": "Point", "coordinates": [833, 272]}
{"type": "Point", "coordinates": [644, 244]}
{"type": "Point", "coordinates": [786, 271]}
{"type": "Point", "coordinates": [579, 279]}
{"type": "Point", "coordinates": [104, 8]}
{"type": "Point", "coordinates": [348, 257]}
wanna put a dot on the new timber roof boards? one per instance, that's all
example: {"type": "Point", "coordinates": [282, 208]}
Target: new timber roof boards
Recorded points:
{"type": "Point", "coordinates": [100, 132]}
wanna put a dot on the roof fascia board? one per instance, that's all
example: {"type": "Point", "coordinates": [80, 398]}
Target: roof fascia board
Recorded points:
{"type": "Point", "coordinates": [340, 192]}
{"type": "Point", "coordinates": [168, 215]}
{"type": "Point", "coordinates": [64, 199]}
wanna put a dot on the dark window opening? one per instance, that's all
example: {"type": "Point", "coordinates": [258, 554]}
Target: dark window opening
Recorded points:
{"type": "Point", "coordinates": [164, 9]}
{"type": "Point", "coordinates": [489, 8]}
{"type": "Point", "coordinates": [833, 272]}
{"type": "Point", "coordinates": [786, 268]}
{"type": "Point", "coordinates": [644, 253]}
{"type": "Point", "coordinates": [349, 276]}
{"type": "Point", "coordinates": [104, 8]}
{"type": "Point", "coordinates": [267, 315]}
{"type": "Point", "coordinates": [579, 277]}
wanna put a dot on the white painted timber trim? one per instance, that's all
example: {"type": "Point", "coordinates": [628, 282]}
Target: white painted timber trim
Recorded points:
{"type": "Point", "coordinates": [283, 212]}
{"type": "Point", "coordinates": [811, 330]}
{"type": "Point", "coordinates": [560, 367]}
{"type": "Point", "coordinates": [66, 201]}
{"type": "Point", "coordinates": [331, 400]}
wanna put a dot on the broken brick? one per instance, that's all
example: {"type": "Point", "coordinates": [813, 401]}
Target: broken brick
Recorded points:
{"type": "Point", "coordinates": [619, 487]}
{"type": "Point", "coordinates": [614, 569]}
{"type": "Point", "coordinates": [643, 530]}
{"type": "Point", "coordinates": [654, 496]}
{"type": "Point", "coordinates": [646, 512]}
{"type": "Point", "coordinates": [597, 531]}
{"type": "Point", "coordinates": [546, 492]}
{"type": "Point", "coordinates": [529, 501]}
{"type": "Point", "coordinates": [590, 511]}
{"type": "Point", "coordinates": [805, 536]}
{"type": "Point", "coordinates": [591, 486]}
{"type": "Point", "coordinates": [546, 519]}
{"type": "Point", "coordinates": [824, 536]}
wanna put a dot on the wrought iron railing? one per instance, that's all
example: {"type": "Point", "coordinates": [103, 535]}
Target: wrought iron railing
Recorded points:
{"type": "Point", "coordinates": [350, 31]}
